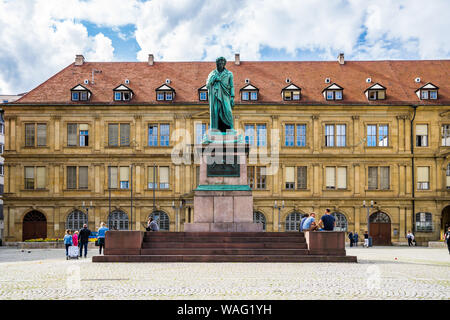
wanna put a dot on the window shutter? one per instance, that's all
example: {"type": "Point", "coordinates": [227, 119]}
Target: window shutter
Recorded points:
{"type": "Point", "coordinates": [384, 178]}
{"type": "Point", "coordinates": [113, 133]}
{"type": "Point", "coordinates": [72, 134]}
{"type": "Point", "coordinates": [113, 177]}
{"type": "Point", "coordinates": [422, 174]}
{"type": "Point", "coordinates": [83, 177]}
{"type": "Point", "coordinates": [290, 174]}
{"type": "Point", "coordinates": [301, 178]}
{"type": "Point", "coordinates": [331, 176]}
{"type": "Point", "coordinates": [40, 177]}
{"type": "Point", "coordinates": [373, 178]}
{"type": "Point", "coordinates": [163, 174]}
{"type": "Point", "coordinates": [124, 173]}
{"type": "Point", "coordinates": [342, 178]}
{"type": "Point", "coordinates": [41, 134]}
{"type": "Point", "coordinates": [71, 177]}
{"type": "Point", "coordinates": [124, 134]}
{"type": "Point", "coordinates": [421, 130]}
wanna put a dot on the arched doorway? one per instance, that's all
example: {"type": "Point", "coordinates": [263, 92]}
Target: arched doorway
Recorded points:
{"type": "Point", "coordinates": [380, 229]}
{"type": "Point", "coordinates": [34, 226]}
{"type": "Point", "coordinates": [293, 221]}
{"type": "Point", "coordinates": [259, 217]}
{"type": "Point", "coordinates": [162, 219]}
{"type": "Point", "coordinates": [76, 219]}
{"type": "Point", "coordinates": [445, 219]}
{"type": "Point", "coordinates": [118, 220]}
{"type": "Point", "coordinates": [341, 222]}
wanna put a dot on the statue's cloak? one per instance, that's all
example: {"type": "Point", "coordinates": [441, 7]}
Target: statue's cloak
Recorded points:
{"type": "Point", "coordinates": [220, 94]}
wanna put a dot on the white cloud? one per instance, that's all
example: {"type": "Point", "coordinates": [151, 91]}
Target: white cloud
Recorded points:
{"type": "Point", "coordinates": [40, 37]}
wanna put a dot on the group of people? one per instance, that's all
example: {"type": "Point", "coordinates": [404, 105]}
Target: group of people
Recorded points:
{"type": "Point", "coordinates": [80, 239]}
{"type": "Point", "coordinates": [326, 222]}
{"type": "Point", "coordinates": [353, 237]}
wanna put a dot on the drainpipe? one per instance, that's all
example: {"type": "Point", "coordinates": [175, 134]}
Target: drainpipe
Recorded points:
{"type": "Point", "coordinates": [413, 171]}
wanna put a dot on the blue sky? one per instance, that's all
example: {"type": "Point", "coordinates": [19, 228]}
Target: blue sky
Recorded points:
{"type": "Point", "coordinates": [40, 37]}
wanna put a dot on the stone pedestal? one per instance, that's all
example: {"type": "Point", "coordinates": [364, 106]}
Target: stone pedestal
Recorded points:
{"type": "Point", "coordinates": [223, 201]}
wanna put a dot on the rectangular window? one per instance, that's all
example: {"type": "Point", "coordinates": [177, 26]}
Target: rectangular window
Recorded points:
{"type": "Point", "coordinates": [75, 96]}
{"type": "Point", "coordinates": [83, 95]}
{"type": "Point", "coordinates": [118, 132]}
{"type": "Point", "coordinates": [249, 134]}
{"type": "Point", "coordinates": [169, 96]}
{"type": "Point", "coordinates": [301, 135]}
{"type": "Point", "coordinates": [254, 96]}
{"type": "Point", "coordinates": [82, 177]}
{"type": "Point", "coordinates": [423, 178]}
{"type": "Point", "coordinates": [422, 135]}
{"type": "Point", "coordinates": [262, 135]}
{"type": "Point", "coordinates": [200, 131]}
{"type": "Point", "coordinates": [289, 132]}
{"type": "Point", "coordinates": [165, 135]}
{"type": "Point", "coordinates": [35, 178]}
{"type": "Point", "coordinates": [160, 96]}
{"type": "Point", "coordinates": [424, 94]}
{"type": "Point", "coordinates": [2, 148]}
{"type": "Point", "coordinates": [445, 132]}
{"type": "Point", "coordinates": [330, 95]}
{"type": "Point", "coordinates": [378, 137]}
{"type": "Point", "coordinates": [164, 177]}
{"type": "Point", "coordinates": [290, 178]}
{"type": "Point", "coordinates": [260, 178]}
{"type": "Point", "coordinates": [2, 170]}
{"type": "Point", "coordinates": [342, 178]}
{"type": "Point", "coordinates": [117, 96]}
{"type": "Point", "coordinates": [71, 134]}
{"type": "Point", "coordinates": [338, 95]}
{"type": "Point", "coordinates": [373, 178]}
{"type": "Point", "coordinates": [384, 178]}
{"type": "Point", "coordinates": [296, 95]}
{"type": "Point", "coordinates": [378, 178]}
{"type": "Point", "coordinates": [153, 135]}
{"type": "Point", "coordinates": [84, 135]}
{"type": "Point", "coordinates": [126, 96]}
{"type": "Point", "coordinates": [71, 177]}
{"type": "Point", "coordinates": [245, 95]}
{"type": "Point", "coordinates": [77, 135]}
{"type": "Point", "coordinates": [341, 135]}
{"type": "Point", "coordinates": [113, 176]}
{"type": "Point", "coordinates": [152, 173]}
{"type": "Point", "coordinates": [329, 135]}
{"type": "Point", "coordinates": [330, 173]}
{"type": "Point", "coordinates": [2, 128]}
{"type": "Point", "coordinates": [113, 135]}
{"type": "Point", "coordinates": [433, 95]}
{"type": "Point", "coordinates": [287, 95]}
{"type": "Point", "coordinates": [41, 135]}
{"type": "Point", "coordinates": [251, 177]}
{"type": "Point", "coordinates": [302, 182]}
{"type": "Point", "coordinates": [203, 95]}
{"type": "Point", "coordinates": [448, 176]}
{"type": "Point", "coordinates": [29, 178]}
{"type": "Point", "coordinates": [35, 134]}
{"type": "Point", "coordinates": [124, 134]}
{"type": "Point", "coordinates": [124, 177]}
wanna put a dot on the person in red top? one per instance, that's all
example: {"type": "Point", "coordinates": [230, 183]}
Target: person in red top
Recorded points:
{"type": "Point", "coordinates": [75, 238]}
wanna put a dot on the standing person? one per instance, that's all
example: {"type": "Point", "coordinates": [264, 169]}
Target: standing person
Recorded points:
{"type": "Point", "coordinates": [327, 221]}
{"type": "Point", "coordinates": [75, 238]}
{"type": "Point", "coordinates": [350, 236]}
{"type": "Point", "coordinates": [410, 238]}
{"type": "Point", "coordinates": [447, 239]}
{"type": "Point", "coordinates": [307, 223]}
{"type": "Point", "coordinates": [366, 239]}
{"type": "Point", "coordinates": [148, 224]}
{"type": "Point", "coordinates": [67, 242]}
{"type": "Point", "coordinates": [355, 239]}
{"type": "Point", "coordinates": [300, 228]}
{"type": "Point", "coordinates": [101, 236]}
{"type": "Point", "coordinates": [83, 239]}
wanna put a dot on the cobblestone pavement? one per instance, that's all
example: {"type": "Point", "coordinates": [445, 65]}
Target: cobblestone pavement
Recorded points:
{"type": "Point", "coordinates": [381, 273]}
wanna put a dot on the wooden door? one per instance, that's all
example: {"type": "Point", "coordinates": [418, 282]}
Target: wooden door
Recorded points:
{"type": "Point", "coordinates": [34, 226]}
{"type": "Point", "coordinates": [380, 233]}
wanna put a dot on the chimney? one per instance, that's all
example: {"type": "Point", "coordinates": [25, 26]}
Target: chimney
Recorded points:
{"type": "Point", "coordinates": [341, 58]}
{"type": "Point", "coordinates": [237, 59]}
{"type": "Point", "coordinates": [79, 60]}
{"type": "Point", "coordinates": [151, 59]}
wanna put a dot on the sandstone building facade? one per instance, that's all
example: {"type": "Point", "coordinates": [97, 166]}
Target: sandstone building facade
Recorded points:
{"type": "Point", "coordinates": [97, 141]}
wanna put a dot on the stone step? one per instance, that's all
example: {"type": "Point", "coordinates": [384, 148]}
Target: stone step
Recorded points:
{"type": "Point", "coordinates": [223, 258]}
{"type": "Point", "coordinates": [230, 245]}
{"type": "Point", "coordinates": [225, 239]}
{"type": "Point", "coordinates": [224, 234]}
{"type": "Point", "coordinates": [222, 252]}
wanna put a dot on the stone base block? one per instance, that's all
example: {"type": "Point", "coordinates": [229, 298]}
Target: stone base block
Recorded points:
{"type": "Point", "coordinates": [223, 227]}
{"type": "Point", "coordinates": [331, 243]}
{"type": "Point", "coordinates": [123, 242]}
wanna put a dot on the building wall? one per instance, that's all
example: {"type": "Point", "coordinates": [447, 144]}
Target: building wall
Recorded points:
{"type": "Point", "coordinates": [56, 201]}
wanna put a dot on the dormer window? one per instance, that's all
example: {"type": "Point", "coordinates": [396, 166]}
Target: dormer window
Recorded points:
{"type": "Point", "coordinates": [376, 92]}
{"type": "Point", "coordinates": [291, 93]}
{"type": "Point", "coordinates": [80, 93]}
{"type": "Point", "coordinates": [249, 93]}
{"type": "Point", "coordinates": [203, 93]}
{"type": "Point", "coordinates": [123, 93]}
{"type": "Point", "coordinates": [165, 93]}
{"type": "Point", "coordinates": [333, 92]}
{"type": "Point", "coordinates": [427, 92]}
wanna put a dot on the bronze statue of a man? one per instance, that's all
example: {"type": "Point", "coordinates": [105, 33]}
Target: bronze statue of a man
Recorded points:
{"type": "Point", "coordinates": [221, 97]}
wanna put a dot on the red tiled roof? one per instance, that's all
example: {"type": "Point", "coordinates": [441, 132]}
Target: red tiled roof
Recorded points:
{"type": "Point", "coordinates": [269, 76]}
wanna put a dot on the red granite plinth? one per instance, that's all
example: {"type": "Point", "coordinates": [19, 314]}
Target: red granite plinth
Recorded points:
{"type": "Point", "coordinates": [326, 242]}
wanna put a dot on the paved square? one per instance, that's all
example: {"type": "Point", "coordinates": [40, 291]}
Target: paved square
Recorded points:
{"type": "Point", "coordinates": [381, 273]}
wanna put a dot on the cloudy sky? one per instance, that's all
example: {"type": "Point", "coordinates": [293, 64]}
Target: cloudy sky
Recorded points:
{"type": "Point", "coordinates": [40, 37]}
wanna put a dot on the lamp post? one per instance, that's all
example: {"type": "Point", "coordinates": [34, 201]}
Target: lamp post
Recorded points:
{"type": "Point", "coordinates": [368, 209]}
{"type": "Point", "coordinates": [275, 206]}
{"type": "Point", "coordinates": [131, 197]}
{"type": "Point", "coordinates": [87, 210]}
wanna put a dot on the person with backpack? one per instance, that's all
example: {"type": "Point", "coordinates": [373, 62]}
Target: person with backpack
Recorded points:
{"type": "Point", "coordinates": [83, 239]}
{"type": "Point", "coordinates": [68, 242]}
